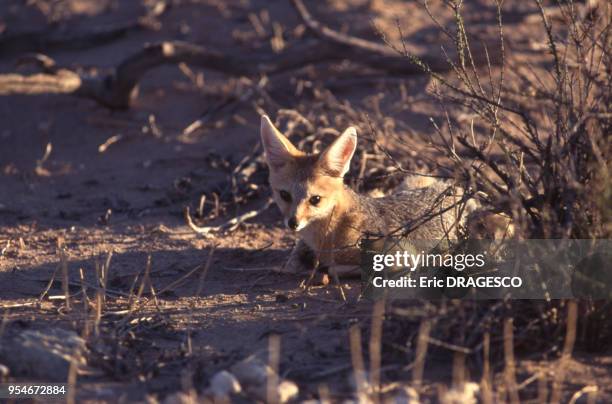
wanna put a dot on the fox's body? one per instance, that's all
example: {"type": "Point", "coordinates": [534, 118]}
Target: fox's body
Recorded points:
{"type": "Point", "coordinates": [330, 218]}
{"type": "Point", "coordinates": [357, 215]}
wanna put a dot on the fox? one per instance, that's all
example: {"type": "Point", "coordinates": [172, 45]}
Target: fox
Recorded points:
{"type": "Point", "coordinates": [330, 219]}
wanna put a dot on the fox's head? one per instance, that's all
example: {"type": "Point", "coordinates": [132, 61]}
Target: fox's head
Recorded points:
{"type": "Point", "coordinates": [306, 187]}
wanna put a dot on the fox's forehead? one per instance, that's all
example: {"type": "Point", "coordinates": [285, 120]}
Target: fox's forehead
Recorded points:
{"type": "Point", "coordinates": [303, 168]}
{"type": "Point", "coordinates": [304, 175]}
{"type": "Point", "coordinates": [299, 169]}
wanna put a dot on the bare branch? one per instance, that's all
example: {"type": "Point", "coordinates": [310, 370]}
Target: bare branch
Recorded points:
{"type": "Point", "coordinates": [116, 89]}
{"type": "Point", "coordinates": [382, 56]}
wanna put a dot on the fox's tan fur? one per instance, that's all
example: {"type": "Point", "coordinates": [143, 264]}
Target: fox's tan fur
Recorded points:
{"type": "Point", "coordinates": [331, 230]}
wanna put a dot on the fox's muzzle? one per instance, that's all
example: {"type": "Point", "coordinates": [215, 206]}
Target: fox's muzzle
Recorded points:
{"type": "Point", "coordinates": [292, 223]}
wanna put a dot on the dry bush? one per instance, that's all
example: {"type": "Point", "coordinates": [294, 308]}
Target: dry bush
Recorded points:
{"type": "Point", "coordinates": [534, 142]}
{"type": "Point", "coordinates": [551, 128]}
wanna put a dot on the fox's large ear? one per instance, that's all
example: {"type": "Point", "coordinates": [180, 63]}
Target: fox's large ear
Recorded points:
{"type": "Point", "coordinates": [337, 157]}
{"type": "Point", "coordinates": [279, 150]}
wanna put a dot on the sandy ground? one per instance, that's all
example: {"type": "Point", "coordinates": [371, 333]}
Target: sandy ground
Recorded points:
{"type": "Point", "coordinates": [129, 200]}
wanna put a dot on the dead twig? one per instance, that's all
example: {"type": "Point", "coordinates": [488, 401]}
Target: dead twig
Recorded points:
{"type": "Point", "coordinates": [230, 225]}
{"type": "Point", "coordinates": [421, 353]}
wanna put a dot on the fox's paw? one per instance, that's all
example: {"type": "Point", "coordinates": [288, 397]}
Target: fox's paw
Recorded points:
{"type": "Point", "coordinates": [326, 274]}
{"type": "Point", "coordinates": [319, 278]}
{"type": "Point", "coordinates": [301, 259]}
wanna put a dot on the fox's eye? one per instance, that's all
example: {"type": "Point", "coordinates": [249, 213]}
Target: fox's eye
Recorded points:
{"type": "Point", "coordinates": [285, 196]}
{"type": "Point", "coordinates": [314, 200]}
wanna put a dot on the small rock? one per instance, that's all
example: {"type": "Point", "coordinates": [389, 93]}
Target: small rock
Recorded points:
{"type": "Point", "coordinates": [354, 376]}
{"type": "Point", "coordinates": [4, 371]}
{"type": "Point", "coordinates": [251, 371]}
{"type": "Point", "coordinates": [287, 391]}
{"type": "Point", "coordinates": [466, 394]}
{"type": "Point", "coordinates": [45, 354]}
{"type": "Point", "coordinates": [404, 395]}
{"type": "Point", "coordinates": [223, 384]}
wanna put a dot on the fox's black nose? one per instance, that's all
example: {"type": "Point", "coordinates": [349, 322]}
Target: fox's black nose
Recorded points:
{"type": "Point", "coordinates": [292, 223]}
